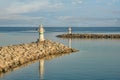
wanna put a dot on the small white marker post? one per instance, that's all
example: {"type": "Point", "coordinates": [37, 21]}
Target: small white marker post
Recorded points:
{"type": "Point", "coordinates": [69, 30]}
{"type": "Point", "coordinates": [41, 33]}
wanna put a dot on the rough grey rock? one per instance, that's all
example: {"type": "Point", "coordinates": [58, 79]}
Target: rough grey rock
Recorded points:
{"type": "Point", "coordinates": [90, 36]}
{"type": "Point", "coordinates": [16, 55]}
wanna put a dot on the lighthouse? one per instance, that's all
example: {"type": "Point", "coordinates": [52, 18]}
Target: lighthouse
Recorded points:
{"type": "Point", "coordinates": [69, 30]}
{"type": "Point", "coordinates": [41, 33]}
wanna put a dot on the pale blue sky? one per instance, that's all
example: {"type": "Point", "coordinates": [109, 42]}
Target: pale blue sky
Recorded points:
{"type": "Point", "coordinates": [60, 13]}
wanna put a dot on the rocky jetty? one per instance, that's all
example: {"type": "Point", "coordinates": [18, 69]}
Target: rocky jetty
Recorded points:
{"type": "Point", "coordinates": [90, 36]}
{"type": "Point", "coordinates": [17, 55]}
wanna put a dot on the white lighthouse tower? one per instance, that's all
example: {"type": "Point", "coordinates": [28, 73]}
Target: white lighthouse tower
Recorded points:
{"type": "Point", "coordinates": [41, 33]}
{"type": "Point", "coordinates": [69, 30]}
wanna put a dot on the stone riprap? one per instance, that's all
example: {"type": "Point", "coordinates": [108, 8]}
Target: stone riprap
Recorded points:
{"type": "Point", "coordinates": [90, 36]}
{"type": "Point", "coordinates": [17, 55]}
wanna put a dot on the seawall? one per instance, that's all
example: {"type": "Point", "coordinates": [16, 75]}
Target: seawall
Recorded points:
{"type": "Point", "coordinates": [90, 36]}
{"type": "Point", "coordinates": [17, 55]}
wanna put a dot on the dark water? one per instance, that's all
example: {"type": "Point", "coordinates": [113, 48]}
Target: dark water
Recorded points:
{"type": "Point", "coordinates": [96, 59]}
{"type": "Point", "coordinates": [62, 29]}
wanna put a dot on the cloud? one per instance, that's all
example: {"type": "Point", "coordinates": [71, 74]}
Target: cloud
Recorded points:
{"type": "Point", "coordinates": [13, 13]}
{"type": "Point", "coordinates": [19, 20]}
{"type": "Point", "coordinates": [108, 2]}
{"type": "Point", "coordinates": [20, 7]}
{"type": "Point", "coordinates": [77, 2]}
{"type": "Point", "coordinates": [115, 0]}
{"type": "Point", "coordinates": [20, 17]}
{"type": "Point", "coordinates": [73, 12]}
{"type": "Point", "coordinates": [89, 21]}
{"type": "Point", "coordinates": [78, 18]}
{"type": "Point", "coordinates": [112, 2]}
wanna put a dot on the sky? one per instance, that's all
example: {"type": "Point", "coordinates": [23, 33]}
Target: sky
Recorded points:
{"type": "Point", "coordinates": [60, 13]}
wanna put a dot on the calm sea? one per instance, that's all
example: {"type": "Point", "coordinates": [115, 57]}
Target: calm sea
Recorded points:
{"type": "Point", "coordinates": [96, 60]}
{"type": "Point", "coordinates": [62, 29]}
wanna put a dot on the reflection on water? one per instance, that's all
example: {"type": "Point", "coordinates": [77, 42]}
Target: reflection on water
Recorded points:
{"type": "Point", "coordinates": [41, 66]}
{"type": "Point", "coordinates": [69, 41]}
{"type": "Point", "coordinates": [97, 60]}
{"type": "Point", "coordinates": [22, 66]}
{"type": "Point", "coordinates": [42, 62]}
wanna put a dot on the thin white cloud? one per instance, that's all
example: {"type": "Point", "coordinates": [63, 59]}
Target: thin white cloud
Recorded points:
{"type": "Point", "coordinates": [20, 17]}
{"type": "Point", "coordinates": [12, 13]}
{"type": "Point", "coordinates": [77, 2]}
{"type": "Point", "coordinates": [115, 0]}
{"type": "Point", "coordinates": [78, 18]}
{"type": "Point", "coordinates": [108, 2]}
{"type": "Point", "coordinates": [20, 7]}
{"type": "Point", "coordinates": [20, 20]}
{"type": "Point", "coordinates": [74, 12]}
{"type": "Point", "coordinates": [89, 21]}
{"type": "Point", "coordinates": [112, 2]}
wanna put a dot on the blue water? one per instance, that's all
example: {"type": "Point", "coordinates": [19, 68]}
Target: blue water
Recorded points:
{"type": "Point", "coordinates": [62, 29]}
{"type": "Point", "coordinates": [96, 59]}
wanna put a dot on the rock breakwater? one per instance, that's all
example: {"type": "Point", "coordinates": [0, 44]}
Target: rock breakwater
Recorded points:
{"type": "Point", "coordinates": [17, 55]}
{"type": "Point", "coordinates": [90, 36]}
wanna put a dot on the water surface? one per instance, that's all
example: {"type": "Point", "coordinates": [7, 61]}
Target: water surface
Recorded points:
{"type": "Point", "coordinates": [96, 60]}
